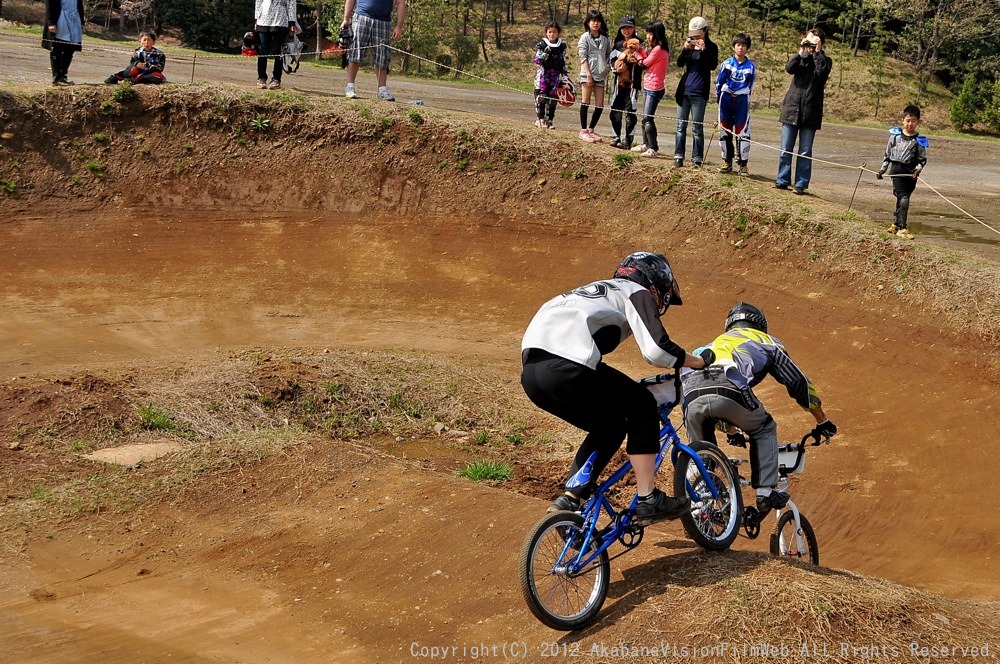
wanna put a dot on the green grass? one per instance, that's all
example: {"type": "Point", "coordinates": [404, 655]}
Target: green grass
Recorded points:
{"type": "Point", "coordinates": [487, 471]}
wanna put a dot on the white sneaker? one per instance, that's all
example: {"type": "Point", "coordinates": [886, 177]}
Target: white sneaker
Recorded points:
{"type": "Point", "coordinates": [649, 153]}
{"type": "Point", "coordinates": [349, 91]}
{"type": "Point", "coordinates": [640, 148]}
{"type": "Point", "coordinates": [384, 94]}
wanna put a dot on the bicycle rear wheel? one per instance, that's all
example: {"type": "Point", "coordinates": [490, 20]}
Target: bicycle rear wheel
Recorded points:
{"type": "Point", "coordinates": [558, 598]}
{"type": "Point", "coordinates": [785, 543]}
{"type": "Point", "coordinates": [713, 523]}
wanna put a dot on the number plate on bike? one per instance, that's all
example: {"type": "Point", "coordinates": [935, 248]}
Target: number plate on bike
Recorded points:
{"type": "Point", "coordinates": [788, 456]}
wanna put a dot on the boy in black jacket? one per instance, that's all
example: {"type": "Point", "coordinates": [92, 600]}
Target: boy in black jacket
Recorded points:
{"type": "Point", "coordinates": [905, 157]}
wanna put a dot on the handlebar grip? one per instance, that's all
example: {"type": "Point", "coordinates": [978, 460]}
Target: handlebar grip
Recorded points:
{"type": "Point", "coordinates": [815, 435]}
{"type": "Point", "coordinates": [657, 379]}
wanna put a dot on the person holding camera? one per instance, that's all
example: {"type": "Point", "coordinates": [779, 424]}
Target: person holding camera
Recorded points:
{"type": "Point", "coordinates": [699, 57]}
{"type": "Point", "coordinates": [802, 110]}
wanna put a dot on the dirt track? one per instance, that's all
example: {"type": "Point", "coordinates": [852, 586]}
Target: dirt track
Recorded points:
{"type": "Point", "coordinates": [247, 578]}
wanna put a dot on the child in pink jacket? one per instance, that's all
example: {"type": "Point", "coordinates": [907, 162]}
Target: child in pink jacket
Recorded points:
{"type": "Point", "coordinates": [655, 63]}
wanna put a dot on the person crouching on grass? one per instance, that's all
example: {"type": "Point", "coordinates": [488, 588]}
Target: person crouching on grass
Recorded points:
{"type": "Point", "coordinates": [146, 65]}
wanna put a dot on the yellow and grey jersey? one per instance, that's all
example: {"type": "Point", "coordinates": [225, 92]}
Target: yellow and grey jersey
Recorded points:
{"type": "Point", "coordinates": [748, 356]}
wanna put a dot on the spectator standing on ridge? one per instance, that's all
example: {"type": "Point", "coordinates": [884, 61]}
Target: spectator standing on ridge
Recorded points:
{"type": "Point", "coordinates": [627, 85]}
{"type": "Point", "coordinates": [550, 56]}
{"type": "Point", "coordinates": [273, 20]}
{"type": "Point", "coordinates": [905, 157]}
{"type": "Point", "coordinates": [371, 23]}
{"type": "Point", "coordinates": [802, 110]}
{"type": "Point", "coordinates": [733, 87]}
{"type": "Point", "coordinates": [62, 36]}
{"type": "Point", "coordinates": [699, 57]}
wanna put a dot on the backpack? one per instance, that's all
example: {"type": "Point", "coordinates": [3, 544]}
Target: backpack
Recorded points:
{"type": "Point", "coordinates": [291, 54]}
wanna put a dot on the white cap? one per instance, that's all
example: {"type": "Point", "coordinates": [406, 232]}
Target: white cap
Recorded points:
{"type": "Point", "coordinates": [697, 25]}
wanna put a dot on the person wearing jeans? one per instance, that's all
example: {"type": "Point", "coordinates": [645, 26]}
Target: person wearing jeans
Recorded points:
{"type": "Point", "coordinates": [699, 56]}
{"type": "Point", "coordinates": [694, 108]}
{"type": "Point", "coordinates": [803, 164]}
{"type": "Point", "coordinates": [273, 20]}
{"type": "Point", "coordinates": [802, 110]}
{"type": "Point", "coordinates": [651, 99]}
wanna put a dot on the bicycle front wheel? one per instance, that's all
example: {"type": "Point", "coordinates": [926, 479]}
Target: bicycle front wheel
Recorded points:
{"type": "Point", "coordinates": [784, 541]}
{"type": "Point", "coordinates": [560, 598]}
{"type": "Point", "coordinates": [713, 523]}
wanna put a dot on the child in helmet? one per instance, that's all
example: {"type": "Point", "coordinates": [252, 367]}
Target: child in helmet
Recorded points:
{"type": "Point", "coordinates": [146, 65]}
{"type": "Point", "coordinates": [905, 157]}
{"type": "Point", "coordinates": [745, 354]}
{"type": "Point", "coordinates": [550, 56]}
{"type": "Point", "coordinates": [564, 373]}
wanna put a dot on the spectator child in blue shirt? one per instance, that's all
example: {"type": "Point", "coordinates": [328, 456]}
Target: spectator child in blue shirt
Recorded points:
{"type": "Point", "coordinates": [733, 86]}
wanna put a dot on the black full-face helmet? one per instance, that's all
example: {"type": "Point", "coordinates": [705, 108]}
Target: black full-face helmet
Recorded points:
{"type": "Point", "coordinates": [652, 271]}
{"type": "Point", "coordinates": [746, 315]}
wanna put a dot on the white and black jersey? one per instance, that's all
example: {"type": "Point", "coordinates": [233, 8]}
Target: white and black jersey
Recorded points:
{"type": "Point", "coordinates": [589, 322]}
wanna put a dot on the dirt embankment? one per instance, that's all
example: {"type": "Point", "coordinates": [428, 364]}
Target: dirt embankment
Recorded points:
{"type": "Point", "coordinates": [149, 241]}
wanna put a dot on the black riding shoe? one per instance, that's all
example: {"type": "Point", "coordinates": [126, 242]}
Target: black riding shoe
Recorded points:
{"type": "Point", "coordinates": [775, 501]}
{"type": "Point", "coordinates": [659, 506]}
{"type": "Point", "coordinates": [566, 503]}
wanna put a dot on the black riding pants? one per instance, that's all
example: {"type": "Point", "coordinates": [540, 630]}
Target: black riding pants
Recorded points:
{"type": "Point", "coordinates": [604, 402]}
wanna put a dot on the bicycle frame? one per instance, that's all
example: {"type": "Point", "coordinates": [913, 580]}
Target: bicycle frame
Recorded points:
{"type": "Point", "coordinates": [622, 523]}
{"type": "Point", "coordinates": [800, 450]}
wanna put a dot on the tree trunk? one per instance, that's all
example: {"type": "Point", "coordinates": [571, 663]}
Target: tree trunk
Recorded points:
{"type": "Point", "coordinates": [319, 31]}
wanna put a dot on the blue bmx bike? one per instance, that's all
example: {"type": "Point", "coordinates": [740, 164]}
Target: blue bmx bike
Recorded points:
{"type": "Point", "coordinates": [564, 566]}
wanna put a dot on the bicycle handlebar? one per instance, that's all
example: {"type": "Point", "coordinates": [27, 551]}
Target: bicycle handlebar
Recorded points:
{"type": "Point", "coordinates": [818, 439]}
{"type": "Point", "coordinates": [658, 379]}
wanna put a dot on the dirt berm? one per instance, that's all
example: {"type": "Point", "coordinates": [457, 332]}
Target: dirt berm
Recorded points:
{"type": "Point", "coordinates": [315, 307]}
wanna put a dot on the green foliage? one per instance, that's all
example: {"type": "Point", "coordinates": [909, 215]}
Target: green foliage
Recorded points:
{"type": "Point", "coordinates": [152, 418]}
{"type": "Point", "coordinates": [991, 111]}
{"type": "Point", "coordinates": [261, 123]}
{"type": "Point", "coordinates": [622, 160]}
{"type": "Point", "coordinates": [100, 137]}
{"type": "Point", "coordinates": [487, 471]}
{"type": "Point", "coordinates": [124, 92]}
{"type": "Point", "coordinates": [108, 109]}
{"type": "Point", "coordinates": [213, 25]}
{"type": "Point", "coordinates": [967, 106]}
{"type": "Point", "coordinates": [482, 437]}
{"type": "Point", "coordinates": [7, 186]}
{"type": "Point", "coordinates": [96, 168]}
{"type": "Point", "coordinates": [416, 118]}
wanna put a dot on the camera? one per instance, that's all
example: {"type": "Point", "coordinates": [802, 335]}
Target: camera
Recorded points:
{"type": "Point", "coordinates": [805, 43]}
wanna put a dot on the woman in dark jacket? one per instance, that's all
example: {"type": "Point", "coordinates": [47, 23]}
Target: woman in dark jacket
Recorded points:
{"type": "Point", "coordinates": [802, 110]}
{"type": "Point", "coordinates": [62, 36]}
{"type": "Point", "coordinates": [699, 56]}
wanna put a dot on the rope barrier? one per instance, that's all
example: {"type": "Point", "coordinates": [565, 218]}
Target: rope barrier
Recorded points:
{"type": "Point", "coordinates": [716, 125]}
